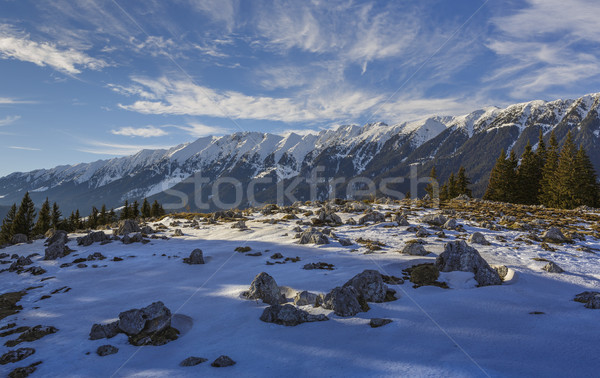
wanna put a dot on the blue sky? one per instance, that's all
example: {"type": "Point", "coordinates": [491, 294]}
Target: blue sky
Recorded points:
{"type": "Point", "coordinates": [88, 80]}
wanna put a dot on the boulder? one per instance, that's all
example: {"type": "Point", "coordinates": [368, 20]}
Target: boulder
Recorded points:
{"type": "Point", "coordinates": [478, 238]}
{"type": "Point", "coordinates": [264, 287]}
{"type": "Point", "coordinates": [400, 220]}
{"type": "Point", "coordinates": [434, 219]}
{"type": "Point", "coordinates": [240, 225]}
{"type": "Point", "coordinates": [19, 238]}
{"type": "Point", "coordinates": [58, 235]}
{"type": "Point", "coordinates": [106, 350]}
{"type": "Point", "coordinates": [502, 271]}
{"type": "Point", "coordinates": [451, 224]}
{"type": "Point", "coordinates": [135, 238]}
{"type": "Point", "coordinates": [551, 267]}
{"type": "Point", "coordinates": [147, 230]}
{"type": "Point", "coordinates": [313, 236]}
{"type": "Point", "coordinates": [56, 250]}
{"type": "Point", "coordinates": [327, 217]}
{"type": "Point", "coordinates": [153, 318]}
{"type": "Point", "coordinates": [196, 257]}
{"type": "Point", "coordinates": [373, 217]}
{"type": "Point", "coordinates": [345, 301]}
{"type": "Point", "coordinates": [127, 226]}
{"type": "Point", "coordinates": [104, 331]}
{"type": "Point", "coordinates": [223, 361]}
{"type": "Point", "coordinates": [459, 256]}
{"type": "Point", "coordinates": [345, 242]}
{"type": "Point", "coordinates": [369, 285]}
{"type": "Point", "coordinates": [192, 361]}
{"type": "Point", "coordinates": [177, 232]}
{"type": "Point", "coordinates": [590, 298]}
{"type": "Point", "coordinates": [305, 298]}
{"type": "Point", "coordinates": [92, 237]}
{"type": "Point", "coordinates": [554, 235]}
{"type": "Point", "coordinates": [414, 248]}
{"type": "Point", "coordinates": [18, 265]}
{"type": "Point", "coordinates": [379, 322]}
{"type": "Point", "coordinates": [289, 315]}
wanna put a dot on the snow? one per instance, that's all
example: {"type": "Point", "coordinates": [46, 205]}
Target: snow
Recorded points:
{"type": "Point", "coordinates": [40, 189]}
{"type": "Point", "coordinates": [463, 331]}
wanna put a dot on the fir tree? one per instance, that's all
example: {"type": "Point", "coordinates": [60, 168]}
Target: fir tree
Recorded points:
{"type": "Point", "coordinates": [135, 210]}
{"type": "Point", "coordinates": [547, 190]}
{"type": "Point", "coordinates": [588, 189]}
{"type": "Point", "coordinates": [93, 218]}
{"type": "Point", "coordinates": [540, 152]}
{"type": "Point", "coordinates": [25, 218]}
{"type": "Point", "coordinates": [112, 216]}
{"type": "Point", "coordinates": [103, 216]}
{"type": "Point", "coordinates": [56, 214]}
{"type": "Point", "coordinates": [77, 220]}
{"type": "Point", "coordinates": [125, 212]}
{"type": "Point", "coordinates": [156, 209]}
{"type": "Point", "coordinates": [565, 184]}
{"type": "Point", "coordinates": [452, 186]}
{"type": "Point", "coordinates": [44, 220]}
{"type": "Point", "coordinates": [431, 187]}
{"type": "Point", "coordinates": [463, 182]}
{"type": "Point", "coordinates": [444, 196]}
{"type": "Point", "coordinates": [528, 178]}
{"type": "Point", "coordinates": [501, 186]}
{"type": "Point", "coordinates": [6, 229]}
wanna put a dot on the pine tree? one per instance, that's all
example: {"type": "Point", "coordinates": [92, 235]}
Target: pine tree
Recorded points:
{"type": "Point", "coordinates": [56, 214]}
{"type": "Point", "coordinates": [93, 218]}
{"type": "Point", "coordinates": [588, 189]}
{"type": "Point", "coordinates": [44, 220]}
{"type": "Point", "coordinates": [540, 152]}
{"type": "Point", "coordinates": [25, 218]}
{"type": "Point", "coordinates": [156, 209]}
{"type": "Point", "coordinates": [463, 182]}
{"type": "Point", "coordinates": [77, 220]}
{"type": "Point", "coordinates": [528, 178]}
{"type": "Point", "coordinates": [430, 188]}
{"type": "Point", "coordinates": [502, 185]}
{"type": "Point", "coordinates": [125, 212]}
{"type": "Point", "coordinates": [565, 184]}
{"type": "Point", "coordinates": [112, 216]}
{"type": "Point", "coordinates": [444, 196]}
{"type": "Point", "coordinates": [547, 183]}
{"type": "Point", "coordinates": [103, 216]}
{"type": "Point", "coordinates": [6, 229]}
{"type": "Point", "coordinates": [135, 210]}
{"type": "Point", "coordinates": [452, 187]}
{"type": "Point", "coordinates": [146, 209]}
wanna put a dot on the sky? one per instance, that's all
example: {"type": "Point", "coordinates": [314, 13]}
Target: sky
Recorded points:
{"type": "Point", "coordinates": [92, 79]}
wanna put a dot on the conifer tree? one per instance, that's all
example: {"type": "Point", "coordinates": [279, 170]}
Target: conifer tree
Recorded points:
{"type": "Point", "coordinates": [93, 218]}
{"type": "Point", "coordinates": [6, 229]}
{"type": "Point", "coordinates": [44, 220]}
{"type": "Point", "coordinates": [25, 218]}
{"type": "Point", "coordinates": [540, 152]}
{"type": "Point", "coordinates": [135, 210]}
{"type": "Point", "coordinates": [444, 196]}
{"type": "Point", "coordinates": [56, 214]}
{"type": "Point", "coordinates": [103, 216]}
{"type": "Point", "coordinates": [112, 216]}
{"type": "Point", "coordinates": [565, 184]}
{"type": "Point", "coordinates": [528, 178]}
{"type": "Point", "coordinates": [155, 209]}
{"type": "Point", "coordinates": [452, 187]}
{"type": "Point", "coordinates": [430, 188]}
{"type": "Point", "coordinates": [588, 188]}
{"type": "Point", "coordinates": [463, 182]}
{"type": "Point", "coordinates": [501, 186]}
{"type": "Point", "coordinates": [547, 183]}
{"type": "Point", "coordinates": [146, 209]}
{"type": "Point", "coordinates": [77, 220]}
{"type": "Point", "coordinates": [125, 212]}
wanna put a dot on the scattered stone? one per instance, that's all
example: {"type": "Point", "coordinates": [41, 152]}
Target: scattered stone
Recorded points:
{"type": "Point", "coordinates": [414, 248]}
{"type": "Point", "coordinates": [255, 254]}
{"type": "Point", "coordinates": [81, 266]}
{"type": "Point", "coordinates": [240, 225]}
{"type": "Point", "coordinates": [276, 256]}
{"type": "Point", "coordinates": [18, 265]}
{"type": "Point", "coordinates": [369, 285]}
{"type": "Point", "coordinates": [92, 237]}
{"type": "Point", "coordinates": [345, 242]}
{"type": "Point", "coordinates": [106, 350]}
{"type": "Point", "coordinates": [312, 236]}
{"type": "Point", "coordinates": [147, 230]}
{"type": "Point", "coordinates": [127, 226]}
{"type": "Point", "coordinates": [451, 224]}
{"type": "Point", "coordinates": [23, 372]}
{"type": "Point", "coordinates": [16, 355]}
{"type": "Point", "coordinates": [289, 315]}
{"type": "Point", "coordinates": [400, 220]}
{"type": "Point", "coordinates": [434, 219]}
{"type": "Point", "coordinates": [57, 248]}
{"type": "Point", "coordinates": [144, 325]}
{"type": "Point", "coordinates": [318, 265]}
{"type": "Point", "coordinates": [551, 267]}
{"type": "Point", "coordinates": [458, 255]}
{"type": "Point", "coordinates": [372, 217]}
{"type": "Point", "coordinates": [196, 257]}
{"type": "Point", "coordinates": [554, 235]}
{"type": "Point", "coordinates": [478, 238]}
{"type": "Point", "coordinates": [379, 322]}
{"type": "Point", "coordinates": [223, 361]}
{"type": "Point", "coordinates": [264, 287]}
{"type": "Point", "coordinates": [502, 271]}
{"type": "Point", "coordinates": [422, 232]}
{"type": "Point", "coordinates": [243, 249]}
{"type": "Point", "coordinates": [305, 298]}
{"type": "Point", "coordinates": [177, 232]}
{"type": "Point", "coordinates": [192, 361]}
{"type": "Point", "coordinates": [135, 238]}
{"type": "Point", "coordinates": [32, 334]}
{"type": "Point", "coordinates": [8, 303]}
{"type": "Point", "coordinates": [345, 301]}
{"type": "Point", "coordinates": [590, 298]}
{"type": "Point", "coordinates": [104, 331]}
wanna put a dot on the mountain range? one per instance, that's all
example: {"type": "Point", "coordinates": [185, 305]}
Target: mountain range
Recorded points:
{"type": "Point", "coordinates": [375, 151]}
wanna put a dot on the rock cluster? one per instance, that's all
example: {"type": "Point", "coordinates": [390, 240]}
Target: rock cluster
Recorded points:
{"type": "Point", "coordinates": [459, 256]}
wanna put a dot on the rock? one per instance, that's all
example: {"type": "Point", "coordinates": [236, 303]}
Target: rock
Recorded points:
{"type": "Point", "coordinates": [351, 222]}
{"type": "Point", "coordinates": [264, 287]}
{"type": "Point", "coordinates": [345, 301]}
{"type": "Point", "coordinates": [359, 206]}
{"type": "Point", "coordinates": [373, 216]}
{"type": "Point", "coordinates": [422, 232]}
{"type": "Point", "coordinates": [18, 265]}
{"type": "Point", "coordinates": [318, 265]}
{"type": "Point", "coordinates": [16, 355]}
{"type": "Point", "coordinates": [135, 238]}
{"type": "Point", "coordinates": [177, 232]}
{"type": "Point", "coordinates": [554, 235]}
{"type": "Point", "coordinates": [345, 242]}
{"type": "Point", "coordinates": [58, 235]}
{"type": "Point", "coordinates": [96, 256]}
{"type": "Point", "coordinates": [369, 285]}
{"type": "Point", "coordinates": [92, 237]}
{"type": "Point", "coordinates": [502, 271]}
{"type": "Point", "coordinates": [434, 219]}
{"type": "Point", "coordinates": [478, 238]}
{"type": "Point", "coordinates": [192, 361]}
{"type": "Point", "coordinates": [104, 331]}
{"type": "Point", "coordinates": [552, 268]}
{"type": "Point", "coordinates": [19, 238]}
{"type": "Point", "coordinates": [459, 256]}
{"type": "Point", "coordinates": [127, 226]}
{"type": "Point", "coordinates": [153, 318]}
{"type": "Point", "coordinates": [590, 298]}
{"type": "Point", "coordinates": [289, 315]}
{"type": "Point", "coordinates": [276, 256]}
{"type": "Point", "coordinates": [400, 220]}
{"type": "Point", "coordinates": [106, 350]}
{"type": "Point", "coordinates": [305, 298]}
{"type": "Point", "coordinates": [240, 225]}
{"type": "Point", "coordinates": [195, 258]}
{"type": "Point", "coordinates": [23, 372]}
{"type": "Point", "coordinates": [223, 361]}
{"type": "Point", "coordinates": [327, 217]}
{"type": "Point", "coordinates": [425, 274]}
{"type": "Point", "coordinates": [32, 334]}
{"type": "Point", "coordinates": [312, 236]}
{"type": "Point", "coordinates": [379, 322]}
{"type": "Point", "coordinates": [450, 224]}
{"type": "Point", "coordinates": [147, 230]}
{"type": "Point", "coordinates": [57, 247]}
{"type": "Point", "coordinates": [414, 248]}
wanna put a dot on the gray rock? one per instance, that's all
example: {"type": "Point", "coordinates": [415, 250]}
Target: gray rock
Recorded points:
{"type": "Point", "coordinates": [196, 257]}
{"type": "Point", "coordinates": [135, 238]}
{"type": "Point", "coordinates": [178, 232]}
{"type": "Point", "coordinates": [264, 287]}
{"type": "Point", "coordinates": [18, 265]}
{"type": "Point", "coordinates": [127, 226]}
{"type": "Point", "coordinates": [345, 242]}
{"type": "Point", "coordinates": [147, 230]}
{"type": "Point", "coordinates": [19, 238]}
{"type": "Point", "coordinates": [478, 238]}
{"type": "Point", "coordinates": [106, 350]}
{"type": "Point", "coordinates": [422, 232]}
{"type": "Point", "coordinates": [351, 222]}
{"type": "Point", "coordinates": [373, 217]}
{"type": "Point", "coordinates": [459, 256]}
{"type": "Point", "coordinates": [369, 285]}
{"type": "Point", "coordinates": [434, 219]}
{"type": "Point", "coordinates": [92, 237]}
{"type": "Point", "coordinates": [502, 271]}
{"type": "Point", "coordinates": [152, 318]}
{"type": "Point", "coordinates": [551, 267]}
{"type": "Point", "coordinates": [289, 315]}
{"type": "Point", "coordinates": [590, 298]}
{"type": "Point", "coordinates": [554, 235]}
{"type": "Point", "coordinates": [345, 301]}
{"type": "Point", "coordinates": [414, 249]}
{"type": "Point", "coordinates": [58, 235]}
{"type": "Point", "coordinates": [328, 217]}
{"type": "Point", "coordinates": [104, 331]}
{"type": "Point", "coordinates": [240, 224]}
{"type": "Point", "coordinates": [305, 298]}
{"type": "Point", "coordinates": [379, 322]}
{"type": "Point", "coordinates": [451, 224]}
{"type": "Point", "coordinates": [16, 355]}
{"type": "Point", "coordinates": [223, 361]}
{"type": "Point", "coordinates": [192, 361]}
{"type": "Point", "coordinates": [312, 236]}
{"type": "Point", "coordinates": [56, 250]}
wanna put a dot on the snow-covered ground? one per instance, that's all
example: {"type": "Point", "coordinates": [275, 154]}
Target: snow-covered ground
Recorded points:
{"type": "Point", "coordinates": [462, 331]}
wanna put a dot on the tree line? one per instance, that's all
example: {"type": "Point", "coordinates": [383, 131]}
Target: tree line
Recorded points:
{"type": "Point", "coordinates": [455, 185]}
{"type": "Point", "coordinates": [22, 219]}
{"type": "Point", "coordinates": [551, 176]}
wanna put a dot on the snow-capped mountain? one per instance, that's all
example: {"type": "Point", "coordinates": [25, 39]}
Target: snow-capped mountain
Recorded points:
{"type": "Point", "coordinates": [374, 150]}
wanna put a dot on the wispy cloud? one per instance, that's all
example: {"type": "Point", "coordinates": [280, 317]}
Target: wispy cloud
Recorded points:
{"type": "Point", "coordinates": [8, 120]}
{"type": "Point", "coordinates": [116, 149]}
{"type": "Point", "coordinates": [18, 45]}
{"type": "Point", "coordinates": [24, 148]}
{"type": "Point", "coordinates": [198, 130]}
{"type": "Point", "coordinates": [14, 101]}
{"type": "Point", "coordinates": [144, 132]}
